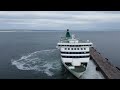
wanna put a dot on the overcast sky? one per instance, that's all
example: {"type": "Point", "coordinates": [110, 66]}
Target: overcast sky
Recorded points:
{"type": "Point", "coordinates": [60, 20]}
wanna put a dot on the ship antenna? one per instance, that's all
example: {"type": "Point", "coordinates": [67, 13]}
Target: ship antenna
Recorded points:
{"type": "Point", "coordinates": [73, 36]}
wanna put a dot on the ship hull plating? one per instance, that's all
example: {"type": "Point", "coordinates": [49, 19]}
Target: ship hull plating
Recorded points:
{"type": "Point", "coordinates": [76, 74]}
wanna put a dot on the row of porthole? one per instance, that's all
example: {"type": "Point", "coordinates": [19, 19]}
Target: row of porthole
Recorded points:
{"type": "Point", "coordinates": [75, 48]}
{"type": "Point", "coordinates": [76, 56]}
{"type": "Point", "coordinates": [74, 45]}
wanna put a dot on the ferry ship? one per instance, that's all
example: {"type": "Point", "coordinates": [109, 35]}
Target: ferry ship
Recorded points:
{"type": "Point", "coordinates": [75, 53]}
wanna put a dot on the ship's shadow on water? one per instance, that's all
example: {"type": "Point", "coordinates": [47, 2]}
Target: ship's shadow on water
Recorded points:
{"type": "Point", "coordinates": [46, 64]}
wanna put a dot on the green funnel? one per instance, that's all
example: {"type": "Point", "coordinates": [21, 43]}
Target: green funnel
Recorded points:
{"type": "Point", "coordinates": [68, 34]}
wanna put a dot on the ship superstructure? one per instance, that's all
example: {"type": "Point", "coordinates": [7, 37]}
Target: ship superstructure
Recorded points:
{"type": "Point", "coordinates": [75, 54]}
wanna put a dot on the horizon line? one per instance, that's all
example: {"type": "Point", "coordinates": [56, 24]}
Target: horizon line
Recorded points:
{"type": "Point", "coordinates": [56, 30]}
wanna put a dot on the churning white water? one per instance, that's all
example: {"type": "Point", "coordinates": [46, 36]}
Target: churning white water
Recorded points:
{"type": "Point", "coordinates": [48, 61]}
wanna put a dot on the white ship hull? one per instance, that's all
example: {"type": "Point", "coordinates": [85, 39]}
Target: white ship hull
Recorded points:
{"type": "Point", "coordinates": [75, 54]}
{"type": "Point", "coordinates": [76, 74]}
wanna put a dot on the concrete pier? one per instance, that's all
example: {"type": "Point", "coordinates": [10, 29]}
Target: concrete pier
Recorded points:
{"type": "Point", "coordinates": [107, 69]}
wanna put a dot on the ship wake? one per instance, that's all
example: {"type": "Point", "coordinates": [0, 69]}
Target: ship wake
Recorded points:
{"type": "Point", "coordinates": [45, 61]}
{"type": "Point", "coordinates": [48, 62]}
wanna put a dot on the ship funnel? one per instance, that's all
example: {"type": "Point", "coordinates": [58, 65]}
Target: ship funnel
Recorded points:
{"type": "Point", "coordinates": [68, 34]}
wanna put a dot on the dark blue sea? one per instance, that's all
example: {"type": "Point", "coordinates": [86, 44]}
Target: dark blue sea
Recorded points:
{"type": "Point", "coordinates": [33, 55]}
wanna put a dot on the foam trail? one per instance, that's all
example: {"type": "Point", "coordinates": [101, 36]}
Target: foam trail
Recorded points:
{"type": "Point", "coordinates": [48, 61]}
{"type": "Point", "coordinates": [43, 60]}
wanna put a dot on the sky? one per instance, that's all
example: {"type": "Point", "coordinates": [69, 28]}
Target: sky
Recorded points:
{"type": "Point", "coordinates": [60, 20]}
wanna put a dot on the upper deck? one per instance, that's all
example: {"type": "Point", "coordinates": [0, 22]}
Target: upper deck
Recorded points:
{"type": "Point", "coordinates": [71, 41]}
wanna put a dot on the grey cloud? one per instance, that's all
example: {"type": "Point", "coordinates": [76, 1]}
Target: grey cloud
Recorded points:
{"type": "Point", "coordinates": [59, 20]}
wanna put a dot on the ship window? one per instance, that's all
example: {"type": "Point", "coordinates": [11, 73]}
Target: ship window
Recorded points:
{"type": "Point", "coordinates": [75, 52]}
{"type": "Point", "coordinates": [75, 56]}
{"type": "Point", "coordinates": [77, 48]}
{"type": "Point", "coordinates": [74, 48]}
{"type": "Point", "coordinates": [81, 48]}
{"type": "Point", "coordinates": [68, 64]}
{"type": "Point", "coordinates": [65, 48]}
{"type": "Point", "coordinates": [71, 48]}
{"type": "Point", "coordinates": [84, 64]}
{"type": "Point", "coordinates": [84, 48]}
{"type": "Point", "coordinates": [68, 48]}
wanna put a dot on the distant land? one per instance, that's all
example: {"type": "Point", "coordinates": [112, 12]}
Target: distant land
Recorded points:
{"type": "Point", "coordinates": [28, 30]}
{"type": "Point", "coordinates": [25, 30]}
